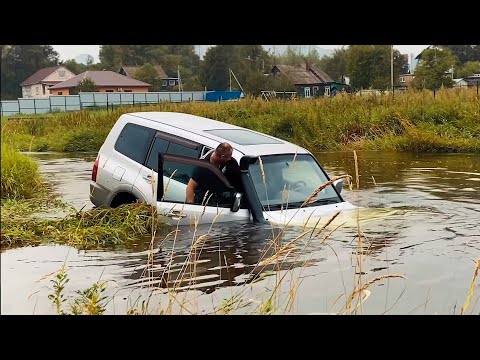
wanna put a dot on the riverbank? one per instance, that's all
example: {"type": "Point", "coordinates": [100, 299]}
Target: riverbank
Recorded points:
{"type": "Point", "coordinates": [411, 121]}
{"type": "Point", "coordinates": [31, 215]}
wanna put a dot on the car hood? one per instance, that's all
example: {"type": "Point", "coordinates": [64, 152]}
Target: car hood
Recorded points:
{"type": "Point", "coordinates": [342, 214]}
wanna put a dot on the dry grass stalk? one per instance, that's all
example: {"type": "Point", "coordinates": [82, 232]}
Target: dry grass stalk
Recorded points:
{"type": "Point", "coordinates": [284, 250]}
{"type": "Point", "coordinates": [472, 288]}
{"type": "Point", "coordinates": [360, 289]}
{"type": "Point", "coordinates": [168, 183]}
{"type": "Point", "coordinates": [261, 169]}
{"type": "Point", "coordinates": [321, 187]}
{"type": "Point", "coordinates": [356, 169]}
{"type": "Point", "coordinates": [328, 222]}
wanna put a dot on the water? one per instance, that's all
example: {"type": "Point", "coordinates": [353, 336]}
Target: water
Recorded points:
{"type": "Point", "coordinates": [432, 239]}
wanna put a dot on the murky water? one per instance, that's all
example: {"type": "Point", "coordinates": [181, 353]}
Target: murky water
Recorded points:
{"type": "Point", "coordinates": [433, 240]}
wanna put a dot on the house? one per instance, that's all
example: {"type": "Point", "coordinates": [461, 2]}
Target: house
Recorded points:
{"type": "Point", "coordinates": [473, 80]}
{"type": "Point", "coordinates": [167, 82]}
{"type": "Point", "coordinates": [308, 80]}
{"type": "Point", "coordinates": [404, 81]}
{"type": "Point", "coordinates": [459, 83]}
{"type": "Point", "coordinates": [105, 81]}
{"type": "Point", "coordinates": [38, 85]}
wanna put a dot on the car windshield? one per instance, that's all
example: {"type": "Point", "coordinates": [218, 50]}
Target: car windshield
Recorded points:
{"type": "Point", "coordinates": [287, 181]}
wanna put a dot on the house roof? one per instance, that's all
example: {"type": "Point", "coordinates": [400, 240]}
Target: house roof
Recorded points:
{"type": "Point", "coordinates": [101, 78]}
{"type": "Point", "coordinates": [321, 74]}
{"type": "Point", "coordinates": [41, 74]}
{"type": "Point", "coordinates": [131, 70]}
{"type": "Point", "coordinates": [473, 81]}
{"type": "Point", "coordinates": [300, 75]}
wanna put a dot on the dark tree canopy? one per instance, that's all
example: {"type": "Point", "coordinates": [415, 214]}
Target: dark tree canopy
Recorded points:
{"type": "Point", "coordinates": [19, 62]}
{"type": "Point", "coordinates": [173, 59]}
{"type": "Point", "coordinates": [432, 70]}
{"type": "Point", "coordinates": [464, 53]}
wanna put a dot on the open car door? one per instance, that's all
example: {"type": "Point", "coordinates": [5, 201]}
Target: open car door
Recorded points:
{"type": "Point", "coordinates": [219, 203]}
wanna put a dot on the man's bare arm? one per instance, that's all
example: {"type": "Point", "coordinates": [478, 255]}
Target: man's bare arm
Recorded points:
{"type": "Point", "coordinates": [191, 186]}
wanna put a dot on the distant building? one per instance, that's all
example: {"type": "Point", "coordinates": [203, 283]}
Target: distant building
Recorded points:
{"type": "Point", "coordinates": [473, 80]}
{"type": "Point", "coordinates": [413, 63]}
{"type": "Point", "coordinates": [308, 80]}
{"type": "Point", "coordinates": [405, 66]}
{"type": "Point", "coordinates": [105, 81]}
{"type": "Point", "coordinates": [404, 81]}
{"type": "Point", "coordinates": [38, 85]}
{"type": "Point", "coordinates": [459, 83]}
{"type": "Point", "coordinates": [167, 84]}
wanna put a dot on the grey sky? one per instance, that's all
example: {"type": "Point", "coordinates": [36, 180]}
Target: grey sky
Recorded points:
{"type": "Point", "coordinates": [71, 51]}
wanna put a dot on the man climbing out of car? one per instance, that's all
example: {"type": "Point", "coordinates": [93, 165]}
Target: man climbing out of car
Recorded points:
{"type": "Point", "coordinates": [222, 158]}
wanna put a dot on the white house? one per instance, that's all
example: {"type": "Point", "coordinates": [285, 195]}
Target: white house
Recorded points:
{"type": "Point", "coordinates": [459, 83]}
{"type": "Point", "coordinates": [38, 85]}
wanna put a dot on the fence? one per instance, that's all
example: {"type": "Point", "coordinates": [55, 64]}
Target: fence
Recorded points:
{"type": "Point", "coordinates": [95, 99]}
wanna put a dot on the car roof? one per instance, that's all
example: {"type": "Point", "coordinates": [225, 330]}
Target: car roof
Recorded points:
{"type": "Point", "coordinates": [246, 141]}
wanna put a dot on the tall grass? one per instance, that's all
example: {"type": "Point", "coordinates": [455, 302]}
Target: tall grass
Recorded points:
{"type": "Point", "coordinates": [97, 228]}
{"type": "Point", "coordinates": [20, 177]}
{"type": "Point", "coordinates": [414, 120]}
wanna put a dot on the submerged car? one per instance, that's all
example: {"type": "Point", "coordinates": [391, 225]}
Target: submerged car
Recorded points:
{"type": "Point", "coordinates": [279, 180]}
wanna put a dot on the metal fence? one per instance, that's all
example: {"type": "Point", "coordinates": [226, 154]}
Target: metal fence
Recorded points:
{"type": "Point", "coordinates": [96, 99]}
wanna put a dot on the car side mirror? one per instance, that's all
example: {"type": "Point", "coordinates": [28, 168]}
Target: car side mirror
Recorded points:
{"type": "Point", "coordinates": [237, 199]}
{"type": "Point", "coordinates": [338, 185]}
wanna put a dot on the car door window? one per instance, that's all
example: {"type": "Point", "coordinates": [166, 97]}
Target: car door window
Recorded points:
{"type": "Point", "coordinates": [159, 146]}
{"type": "Point", "coordinates": [177, 149]}
{"type": "Point", "coordinates": [165, 146]}
{"type": "Point", "coordinates": [213, 188]}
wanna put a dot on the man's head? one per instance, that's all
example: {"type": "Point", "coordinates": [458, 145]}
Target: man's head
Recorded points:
{"type": "Point", "coordinates": [222, 154]}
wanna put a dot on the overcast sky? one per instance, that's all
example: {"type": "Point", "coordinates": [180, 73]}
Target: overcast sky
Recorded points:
{"type": "Point", "coordinates": [71, 51]}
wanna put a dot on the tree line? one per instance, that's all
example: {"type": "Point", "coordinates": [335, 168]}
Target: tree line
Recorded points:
{"type": "Point", "coordinates": [367, 66]}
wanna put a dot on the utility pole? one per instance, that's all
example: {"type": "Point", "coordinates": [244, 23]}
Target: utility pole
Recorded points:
{"type": "Point", "coordinates": [180, 85]}
{"type": "Point", "coordinates": [391, 65]}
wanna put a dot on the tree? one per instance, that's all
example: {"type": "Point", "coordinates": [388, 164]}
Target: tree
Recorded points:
{"type": "Point", "coordinates": [255, 83]}
{"type": "Point", "coordinates": [89, 61]}
{"type": "Point", "coordinates": [86, 85]}
{"type": "Point", "coordinates": [216, 66]}
{"type": "Point", "coordinates": [111, 57]}
{"type": "Point", "coordinates": [467, 69]}
{"type": "Point", "coordinates": [172, 58]}
{"type": "Point", "coordinates": [147, 73]}
{"type": "Point", "coordinates": [74, 67]}
{"type": "Point", "coordinates": [464, 53]}
{"type": "Point", "coordinates": [249, 64]}
{"type": "Point", "coordinates": [20, 62]}
{"type": "Point", "coordinates": [370, 66]}
{"type": "Point", "coordinates": [336, 64]}
{"type": "Point", "coordinates": [432, 71]}
{"type": "Point", "coordinates": [294, 56]}
{"type": "Point", "coordinates": [78, 68]}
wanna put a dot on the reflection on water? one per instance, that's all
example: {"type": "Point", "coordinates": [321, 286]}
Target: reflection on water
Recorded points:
{"type": "Point", "coordinates": [422, 177]}
{"type": "Point", "coordinates": [69, 176]}
{"type": "Point", "coordinates": [428, 232]}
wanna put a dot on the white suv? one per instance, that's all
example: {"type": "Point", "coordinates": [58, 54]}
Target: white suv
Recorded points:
{"type": "Point", "coordinates": [277, 177]}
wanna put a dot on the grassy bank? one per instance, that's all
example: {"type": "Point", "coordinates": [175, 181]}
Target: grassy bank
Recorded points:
{"type": "Point", "coordinates": [417, 121]}
{"type": "Point", "coordinates": [97, 228]}
{"type": "Point", "coordinates": [20, 175]}
{"type": "Point", "coordinates": [26, 200]}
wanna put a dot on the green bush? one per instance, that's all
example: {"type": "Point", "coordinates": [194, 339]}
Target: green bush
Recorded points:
{"type": "Point", "coordinates": [20, 175]}
{"type": "Point", "coordinates": [84, 140]}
